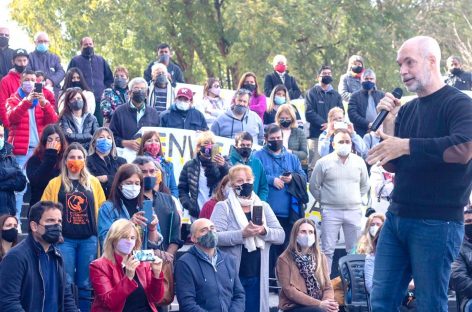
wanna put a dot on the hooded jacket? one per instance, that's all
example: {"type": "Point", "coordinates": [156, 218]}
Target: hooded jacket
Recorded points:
{"type": "Point", "coordinates": [226, 125]}
{"type": "Point", "coordinates": [12, 180]}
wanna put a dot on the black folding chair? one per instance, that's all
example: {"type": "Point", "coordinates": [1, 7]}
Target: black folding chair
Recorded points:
{"type": "Point", "coordinates": [351, 268]}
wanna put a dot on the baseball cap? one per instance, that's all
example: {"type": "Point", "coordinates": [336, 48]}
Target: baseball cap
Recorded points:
{"type": "Point", "coordinates": [186, 93]}
{"type": "Point", "coordinates": [20, 52]}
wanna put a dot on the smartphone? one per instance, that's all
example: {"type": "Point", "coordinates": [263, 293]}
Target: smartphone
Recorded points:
{"type": "Point", "coordinates": [38, 87]}
{"type": "Point", "coordinates": [148, 210]}
{"type": "Point", "coordinates": [215, 150]}
{"type": "Point", "coordinates": [144, 255]}
{"type": "Point", "coordinates": [286, 173]}
{"type": "Point", "coordinates": [257, 215]}
{"type": "Point", "coordinates": [340, 125]}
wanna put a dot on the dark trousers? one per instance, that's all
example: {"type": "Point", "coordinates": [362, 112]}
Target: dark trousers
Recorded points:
{"type": "Point", "coordinates": [252, 289]}
{"type": "Point", "coordinates": [276, 250]}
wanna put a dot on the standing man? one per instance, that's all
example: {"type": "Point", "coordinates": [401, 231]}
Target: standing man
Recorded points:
{"type": "Point", "coordinates": [6, 53]}
{"type": "Point", "coordinates": [97, 72]}
{"type": "Point", "coordinates": [457, 77]}
{"type": "Point", "coordinates": [32, 275]}
{"type": "Point", "coordinates": [318, 102]}
{"type": "Point", "coordinates": [49, 63]}
{"type": "Point", "coordinates": [164, 56]}
{"type": "Point", "coordinates": [428, 144]}
{"type": "Point", "coordinates": [339, 181]}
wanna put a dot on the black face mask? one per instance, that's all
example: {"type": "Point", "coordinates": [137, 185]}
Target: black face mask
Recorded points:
{"type": "Point", "coordinates": [275, 145]}
{"type": "Point", "coordinates": [10, 235]}
{"type": "Point", "coordinates": [205, 151]}
{"type": "Point", "coordinates": [53, 233]}
{"type": "Point", "coordinates": [456, 71]}
{"type": "Point", "coordinates": [87, 51]}
{"type": "Point", "coordinates": [249, 87]}
{"type": "Point", "coordinates": [4, 42]}
{"type": "Point", "coordinates": [326, 80]}
{"type": "Point", "coordinates": [138, 96]}
{"type": "Point", "coordinates": [19, 68]}
{"type": "Point", "coordinates": [356, 69]}
{"type": "Point", "coordinates": [76, 84]}
{"type": "Point", "coordinates": [244, 151]}
{"type": "Point", "coordinates": [244, 190]}
{"type": "Point", "coordinates": [285, 123]}
{"type": "Point", "coordinates": [468, 230]}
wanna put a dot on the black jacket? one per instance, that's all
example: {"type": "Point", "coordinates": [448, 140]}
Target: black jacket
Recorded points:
{"type": "Point", "coordinates": [357, 109]}
{"type": "Point", "coordinates": [98, 167]}
{"type": "Point", "coordinates": [317, 106]}
{"type": "Point", "coordinates": [5, 61]}
{"type": "Point", "coordinates": [273, 79]}
{"type": "Point", "coordinates": [40, 172]}
{"type": "Point", "coordinates": [192, 119]}
{"type": "Point", "coordinates": [124, 123]}
{"type": "Point", "coordinates": [462, 81]}
{"type": "Point", "coordinates": [90, 124]}
{"type": "Point", "coordinates": [21, 281]}
{"type": "Point", "coordinates": [461, 274]}
{"type": "Point", "coordinates": [173, 69]}
{"type": "Point", "coordinates": [188, 184]}
{"type": "Point", "coordinates": [169, 219]}
{"type": "Point", "coordinates": [11, 180]}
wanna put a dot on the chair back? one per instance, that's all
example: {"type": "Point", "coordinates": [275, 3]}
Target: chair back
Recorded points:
{"type": "Point", "coordinates": [351, 268]}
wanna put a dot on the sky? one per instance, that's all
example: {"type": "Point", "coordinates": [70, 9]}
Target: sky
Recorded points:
{"type": "Point", "coordinates": [18, 37]}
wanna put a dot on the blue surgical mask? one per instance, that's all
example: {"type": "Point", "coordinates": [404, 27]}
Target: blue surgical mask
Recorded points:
{"type": "Point", "coordinates": [42, 47]}
{"type": "Point", "coordinates": [279, 100]}
{"type": "Point", "coordinates": [103, 145]}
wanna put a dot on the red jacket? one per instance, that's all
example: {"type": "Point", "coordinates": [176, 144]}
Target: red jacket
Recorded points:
{"type": "Point", "coordinates": [112, 286]}
{"type": "Point", "coordinates": [8, 87]}
{"type": "Point", "coordinates": [18, 120]}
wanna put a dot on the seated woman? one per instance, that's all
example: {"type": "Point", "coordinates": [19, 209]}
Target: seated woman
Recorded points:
{"type": "Point", "coordinates": [303, 273]}
{"type": "Point", "coordinates": [75, 79]}
{"type": "Point", "coordinates": [246, 237]}
{"type": "Point", "coordinates": [8, 234]}
{"type": "Point", "coordinates": [213, 104]}
{"type": "Point", "coordinates": [103, 161]}
{"type": "Point", "coordinates": [116, 95]}
{"type": "Point", "coordinates": [372, 225]}
{"type": "Point", "coordinates": [45, 163]}
{"type": "Point", "coordinates": [294, 138]}
{"type": "Point", "coordinates": [336, 121]}
{"type": "Point", "coordinates": [76, 122]}
{"type": "Point", "coordinates": [221, 193]}
{"type": "Point", "coordinates": [369, 263]}
{"type": "Point", "coordinates": [257, 101]}
{"type": "Point", "coordinates": [151, 146]}
{"type": "Point", "coordinates": [278, 96]}
{"type": "Point", "coordinates": [120, 281]}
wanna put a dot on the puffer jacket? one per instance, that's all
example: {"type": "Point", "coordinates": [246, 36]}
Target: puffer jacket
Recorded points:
{"type": "Point", "coordinates": [461, 274]}
{"type": "Point", "coordinates": [18, 118]}
{"type": "Point", "coordinates": [11, 180]}
{"type": "Point", "coordinates": [90, 124]}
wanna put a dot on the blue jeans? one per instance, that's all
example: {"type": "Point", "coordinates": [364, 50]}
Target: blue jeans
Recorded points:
{"type": "Point", "coordinates": [252, 288]}
{"type": "Point", "coordinates": [468, 306]}
{"type": "Point", "coordinates": [77, 255]}
{"type": "Point", "coordinates": [21, 160]}
{"type": "Point", "coordinates": [422, 249]}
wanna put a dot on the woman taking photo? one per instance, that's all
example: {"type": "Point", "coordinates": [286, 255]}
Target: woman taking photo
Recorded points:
{"type": "Point", "coordinates": [257, 101]}
{"type": "Point", "coordinates": [8, 234]}
{"type": "Point", "coordinates": [303, 274]}
{"type": "Point", "coordinates": [75, 79]}
{"type": "Point", "coordinates": [81, 195]}
{"type": "Point", "coordinates": [103, 160]}
{"type": "Point", "coordinates": [294, 139]}
{"type": "Point", "coordinates": [45, 163]}
{"type": "Point", "coordinates": [120, 281]}
{"type": "Point", "coordinates": [247, 241]}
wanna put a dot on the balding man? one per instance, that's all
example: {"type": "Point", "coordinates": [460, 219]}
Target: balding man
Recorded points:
{"type": "Point", "coordinates": [6, 53]}
{"type": "Point", "coordinates": [456, 76]}
{"type": "Point", "coordinates": [96, 71]}
{"type": "Point", "coordinates": [428, 144]}
{"type": "Point", "coordinates": [49, 63]}
{"type": "Point", "coordinates": [206, 279]}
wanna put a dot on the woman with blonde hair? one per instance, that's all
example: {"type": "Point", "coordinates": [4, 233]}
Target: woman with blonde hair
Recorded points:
{"type": "Point", "coordinates": [81, 195]}
{"type": "Point", "coordinates": [294, 139]}
{"type": "Point", "coordinates": [247, 227]}
{"type": "Point", "coordinates": [120, 281]}
{"type": "Point", "coordinates": [303, 273]}
{"type": "Point", "coordinates": [279, 96]}
{"type": "Point", "coordinates": [372, 225]}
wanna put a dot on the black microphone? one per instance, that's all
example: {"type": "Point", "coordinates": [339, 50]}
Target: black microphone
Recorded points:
{"type": "Point", "coordinates": [397, 93]}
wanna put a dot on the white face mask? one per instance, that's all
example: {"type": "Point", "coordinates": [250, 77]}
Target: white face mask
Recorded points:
{"type": "Point", "coordinates": [130, 191]}
{"type": "Point", "coordinates": [182, 105]}
{"type": "Point", "coordinates": [343, 149]}
{"type": "Point", "coordinates": [373, 230]}
{"type": "Point", "coordinates": [306, 240]}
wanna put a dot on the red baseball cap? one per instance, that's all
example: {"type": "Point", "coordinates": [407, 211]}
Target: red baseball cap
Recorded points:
{"type": "Point", "coordinates": [186, 93]}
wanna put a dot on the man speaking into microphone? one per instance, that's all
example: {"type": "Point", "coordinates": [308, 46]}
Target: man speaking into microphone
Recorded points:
{"type": "Point", "coordinates": [428, 144]}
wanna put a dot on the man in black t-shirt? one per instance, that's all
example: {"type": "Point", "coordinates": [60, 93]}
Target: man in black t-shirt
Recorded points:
{"type": "Point", "coordinates": [428, 144]}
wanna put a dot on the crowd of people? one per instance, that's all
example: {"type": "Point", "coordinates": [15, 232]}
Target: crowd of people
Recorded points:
{"type": "Point", "coordinates": [91, 214]}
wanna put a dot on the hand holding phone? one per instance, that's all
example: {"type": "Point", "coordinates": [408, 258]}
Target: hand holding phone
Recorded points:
{"type": "Point", "coordinates": [148, 210]}
{"type": "Point", "coordinates": [38, 87]}
{"type": "Point", "coordinates": [257, 215]}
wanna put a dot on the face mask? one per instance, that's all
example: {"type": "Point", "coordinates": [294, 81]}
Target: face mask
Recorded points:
{"type": "Point", "coordinates": [368, 85]}
{"type": "Point", "coordinates": [326, 80]}
{"type": "Point", "coordinates": [239, 109]}
{"type": "Point", "coordinates": [161, 80]}
{"type": "Point", "coordinates": [285, 123]}
{"type": "Point", "coordinates": [87, 51]}
{"type": "Point", "coordinates": [343, 149]}
{"type": "Point", "coordinates": [52, 233]}
{"type": "Point", "coordinates": [130, 191]}
{"type": "Point", "coordinates": [42, 47]}
{"type": "Point", "coordinates": [149, 183]}
{"type": "Point", "coordinates": [356, 69]}
{"type": "Point", "coordinates": [250, 87]}
{"type": "Point", "coordinates": [75, 165]}
{"type": "Point", "coordinates": [138, 96]}
{"type": "Point", "coordinates": [456, 71]}
{"type": "Point", "coordinates": [206, 150]}
{"type": "Point", "coordinates": [77, 105]}
{"type": "Point", "coordinates": [76, 84]}
{"type": "Point", "coordinates": [215, 91]}
{"type": "Point", "coordinates": [279, 100]}
{"type": "Point", "coordinates": [120, 83]}
{"type": "Point", "coordinates": [10, 235]}
{"type": "Point", "coordinates": [209, 240]}
{"type": "Point", "coordinates": [2, 143]}
{"type": "Point", "coordinates": [27, 86]}
{"type": "Point", "coordinates": [275, 145]}
{"type": "Point", "coordinates": [182, 105]}
{"type": "Point", "coordinates": [153, 149]}
{"type": "Point", "coordinates": [125, 246]}
{"type": "Point", "coordinates": [468, 230]}
{"type": "Point", "coordinates": [244, 151]}
{"type": "Point", "coordinates": [373, 230]}
{"type": "Point", "coordinates": [19, 68]}
{"type": "Point", "coordinates": [280, 68]}
{"type": "Point", "coordinates": [244, 190]}
{"type": "Point", "coordinates": [4, 41]}
{"type": "Point", "coordinates": [305, 241]}
{"type": "Point", "coordinates": [103, 145]}
{"type": "Point", "coordinates": [58, 147]}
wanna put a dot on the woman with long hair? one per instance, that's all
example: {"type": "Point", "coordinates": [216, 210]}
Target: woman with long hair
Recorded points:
{"type": "Point", "coordinates": [213, 104]}
{"type": "Point", "coordinates": [303, 273]}
{"type": "Point", "coordinates": [279, 96]}
{"type": "Point", "coordinates": [75, 79]}
{"type": "Point", "coordinates": [221, 193]}
{"type": "Point", "coordinates": [45, 163]}
{"type": "Point", "coordinates": [294, 139]}
{"type": "Point", "coordinates": [257, 101]}
{"type": "Point", "coordinates": [372, 225]}
{"type": "Point", "coordinates": [8, 234]}
{"type": "Point", "coordinates": [81, 195]}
